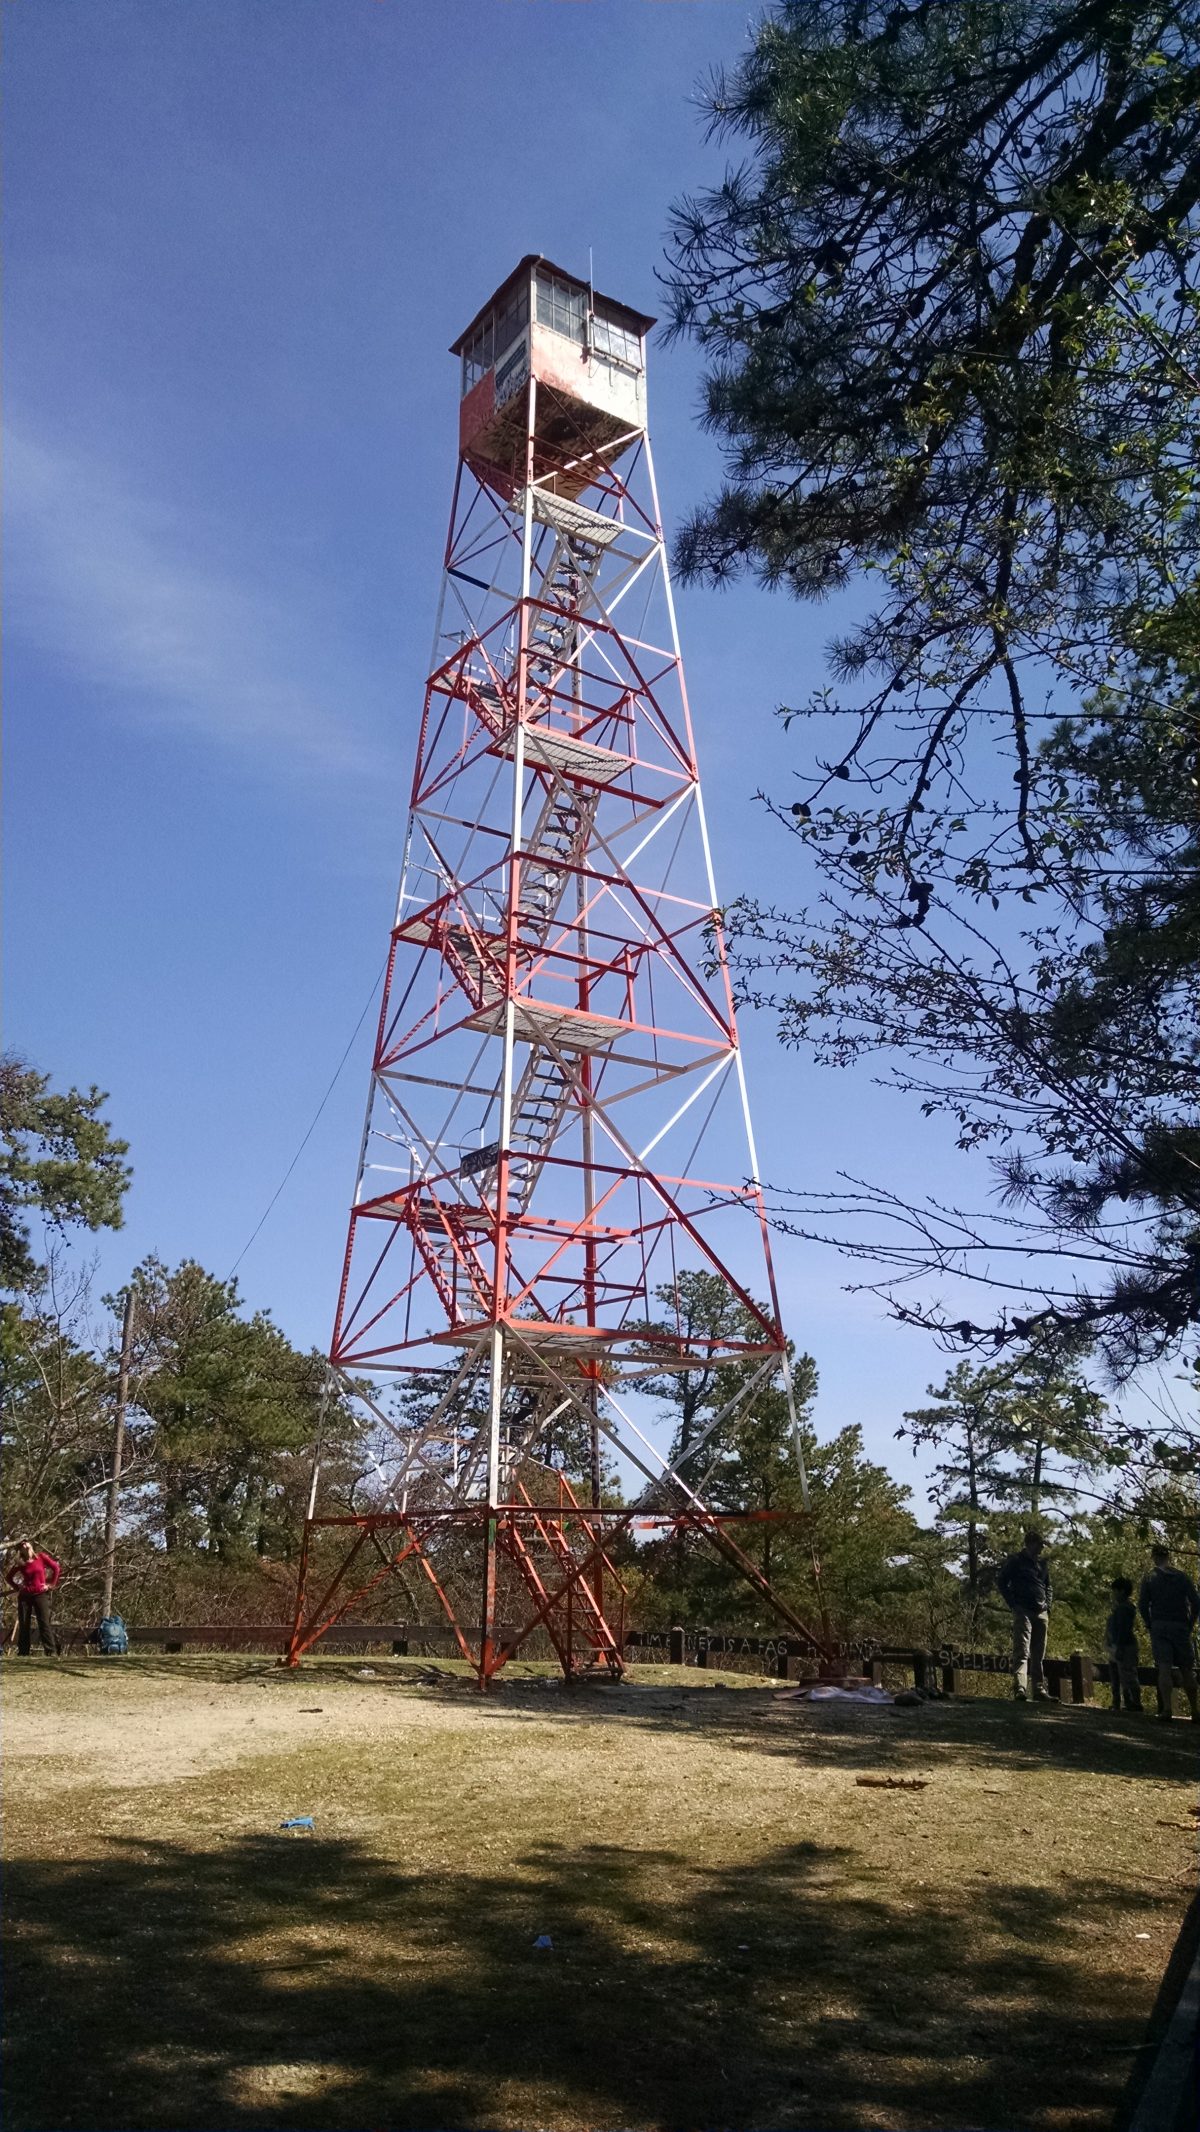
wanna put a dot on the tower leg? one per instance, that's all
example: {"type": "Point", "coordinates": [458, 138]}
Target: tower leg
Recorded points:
{"type": "Point", "coordinates": [291, 1656]}
{"type": "Point", "coordinates": [487, 1625]}
{"type": "Point", "coordinates": [596, 1495]}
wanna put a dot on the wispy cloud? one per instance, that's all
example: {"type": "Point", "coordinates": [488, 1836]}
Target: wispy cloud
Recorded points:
{"type": "Point", "coordinates": [102, 581]}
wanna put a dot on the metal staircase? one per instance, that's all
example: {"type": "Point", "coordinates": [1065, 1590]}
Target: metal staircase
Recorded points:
{"type": "Point", "coordinates": [554, 632]}
{"type": "Point", "coordinates": [557, 841]}
{"type": "Point", "coordinates": [443, 1239]}
{"type": "Point", "coordinates": [540, 1103]}
{"type": "Point", "coordinates": [544, 1556]}
{"type": "Point", "coordinates": [472, 966]}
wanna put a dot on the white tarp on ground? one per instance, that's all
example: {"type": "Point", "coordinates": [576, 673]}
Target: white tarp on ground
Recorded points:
{"type": "Point", "coordinates": [842, 1695]}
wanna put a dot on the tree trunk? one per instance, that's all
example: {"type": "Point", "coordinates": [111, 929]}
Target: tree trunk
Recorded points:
{"type": "Point", "coordinates": [972, 1522]}
{"type": "Point", "coordinates": [173, 1508]}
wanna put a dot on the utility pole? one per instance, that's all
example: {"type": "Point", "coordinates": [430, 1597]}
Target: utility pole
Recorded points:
{"type": "Point", "coordinates": [114, 1485]}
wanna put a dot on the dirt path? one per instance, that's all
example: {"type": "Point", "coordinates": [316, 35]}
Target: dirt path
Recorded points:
{"type": "Point", "coordinates": [166, 1722]}
{"type": "Point", "coordinates": [151, 1730]}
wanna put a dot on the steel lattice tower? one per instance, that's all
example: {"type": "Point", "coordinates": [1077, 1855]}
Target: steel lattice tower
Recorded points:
{"type": "Point", "coordinates": [556, 1086]}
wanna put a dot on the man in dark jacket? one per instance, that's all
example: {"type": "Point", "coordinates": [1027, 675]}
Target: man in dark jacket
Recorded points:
{"type": "Point", "coordinates": [1169, 1605]}
{"type": "Point", "coordinates": [1024, 1585]}
{"type": "Point", "coordinates": [1120, 1641]}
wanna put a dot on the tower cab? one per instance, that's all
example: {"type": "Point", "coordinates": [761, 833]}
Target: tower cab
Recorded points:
{"type": "Point", "coordinates": [587, 355]}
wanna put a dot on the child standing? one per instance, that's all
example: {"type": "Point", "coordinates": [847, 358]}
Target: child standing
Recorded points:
{"type": "Point", "coordinates": [1120, 1641]}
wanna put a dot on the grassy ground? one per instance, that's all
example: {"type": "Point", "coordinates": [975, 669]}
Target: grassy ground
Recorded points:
{"type": "Point", "coordinates": [742, 1936]}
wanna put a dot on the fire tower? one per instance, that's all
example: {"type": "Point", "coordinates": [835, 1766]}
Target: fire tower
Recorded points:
{"type": "Point", "coordinates": [557, 1092]}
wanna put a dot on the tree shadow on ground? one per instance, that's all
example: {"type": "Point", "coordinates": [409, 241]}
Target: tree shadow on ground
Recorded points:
{"type": "Point", "coordinates": [993, 1732]}
{"type": "Point", "coordinates": [988, 1732]}
{"type": "Point", "coordinates": [224, 1667]}
{"type": "Point", "coordinates": [302, 1983]}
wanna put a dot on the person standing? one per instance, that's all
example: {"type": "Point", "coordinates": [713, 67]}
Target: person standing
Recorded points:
{"type": "Point", "coordinates": [33, 1577]}
{"type": "Point", "coordinates": [1120, 1641]}
{"type": "Point", "coordinates": [1024, 1585]}
{"type": "Point", "coordinates": [1169, 1605]}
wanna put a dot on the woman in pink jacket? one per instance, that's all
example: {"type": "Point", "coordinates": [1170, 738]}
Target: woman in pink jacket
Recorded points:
{"type": "Point", "coordinates": [33, 1576]}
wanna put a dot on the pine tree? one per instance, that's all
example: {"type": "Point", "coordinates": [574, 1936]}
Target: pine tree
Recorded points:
{"type": "Point", "coordinates": [950, 308]}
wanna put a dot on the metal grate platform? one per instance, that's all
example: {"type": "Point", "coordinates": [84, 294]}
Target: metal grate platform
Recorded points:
{"type": "Point", "coordinates": [571, 757]}
{"type": "Point", "coordinates": [564, 1027]}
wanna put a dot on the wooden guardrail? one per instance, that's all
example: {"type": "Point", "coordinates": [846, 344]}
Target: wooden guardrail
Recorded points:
{"type": "Point", "coordinates": [1071, 1679]}
{"type": "Point", "coordinates": [405, 1638]}
{"type": "Point", "coordinates": [702, 1647]}
{"type": "Point", "coordinates": [274, 1636]}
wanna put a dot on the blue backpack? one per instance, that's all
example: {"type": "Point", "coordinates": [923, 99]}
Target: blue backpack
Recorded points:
{"type": "Point", "coordinates": [112, 1636]}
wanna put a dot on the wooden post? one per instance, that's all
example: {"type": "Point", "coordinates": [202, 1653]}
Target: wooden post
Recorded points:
{"type": "Point", "coordinates": [877, 1672]}
{"type": "Point", "coordinates": [1082, 1674]}
{"type": "Point", "coordinates": [399, 1647]}
{"type": "Point", "coordinates": [118, 1454]}
{"type": "Point", "coordinates": [702, 1648]}
{"type": "Point", "coordinates": [949, 1680]}
{"type": "Point", "coordinates": [918, 1665]}
{"type": "Point", "coordinates": [675, 1657]}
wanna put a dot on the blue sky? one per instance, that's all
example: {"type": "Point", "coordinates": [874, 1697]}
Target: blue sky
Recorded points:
{"type": "Point", "coordinates": [240, 238]}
